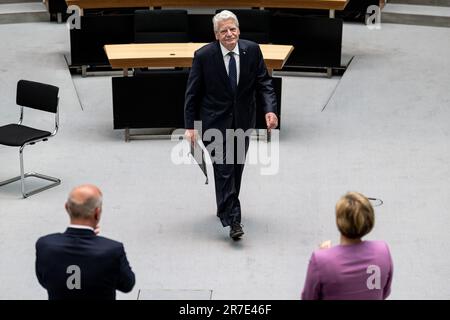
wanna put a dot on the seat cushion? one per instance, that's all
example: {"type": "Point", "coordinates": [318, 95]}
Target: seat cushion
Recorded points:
{"type": "Point", "coordinates": [16, 135]}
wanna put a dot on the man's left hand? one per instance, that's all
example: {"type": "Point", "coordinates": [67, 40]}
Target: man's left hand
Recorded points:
{"type": "Point", "coordinates": [271, 120]}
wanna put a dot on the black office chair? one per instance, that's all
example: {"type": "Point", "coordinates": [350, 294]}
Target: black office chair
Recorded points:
{"type": "Point", "coordinates": [38, 96]}
{"type": "Point", "coordinates": [160, 26]}
{"type": "Point", "coordinates": [165, 25]}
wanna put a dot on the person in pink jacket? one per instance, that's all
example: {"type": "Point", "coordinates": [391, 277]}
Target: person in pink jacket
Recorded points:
{"type": "Point", "coordinates": [354, 269]}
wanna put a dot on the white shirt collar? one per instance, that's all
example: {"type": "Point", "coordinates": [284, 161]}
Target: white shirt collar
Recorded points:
{"type": "Point", "coordinates": [225, 50]}
{"type": "Point", "coordinates": [79, 226]}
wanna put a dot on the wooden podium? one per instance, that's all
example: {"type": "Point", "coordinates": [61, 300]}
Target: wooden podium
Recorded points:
{"type": "Point", "coordinates": [155, 99]}
{"type": "Point", "coordinates": [173, 55]}
{"type": "Point", "coordinates": [294, 4]}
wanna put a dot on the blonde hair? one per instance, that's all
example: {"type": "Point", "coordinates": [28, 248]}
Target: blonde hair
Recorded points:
{"type": "Point", "coordinates": [354, 215]}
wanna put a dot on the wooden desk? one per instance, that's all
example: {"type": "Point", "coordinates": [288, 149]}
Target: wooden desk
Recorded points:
{"type": "Point", "coordinates": [168, 55]}
{"type": "Point", "coordinates": [135, 98]}
{"type": "Point", "coordinates": [311, 33]}
{"type": "Point", "coordinates": [291, 4]}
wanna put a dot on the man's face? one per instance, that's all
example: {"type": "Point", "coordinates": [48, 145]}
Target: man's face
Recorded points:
{"type": "Point", "coordinates": [228, 34]}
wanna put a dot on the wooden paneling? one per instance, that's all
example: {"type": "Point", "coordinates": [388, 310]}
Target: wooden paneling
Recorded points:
{"type": "Point", "coordinates": [294, 4]}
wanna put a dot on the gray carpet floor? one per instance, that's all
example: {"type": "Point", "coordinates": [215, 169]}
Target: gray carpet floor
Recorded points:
{"type": "Point", "coordinates": [383, 132]}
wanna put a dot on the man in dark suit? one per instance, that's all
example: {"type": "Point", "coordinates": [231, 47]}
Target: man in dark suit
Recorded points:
{"type": "Point", "coordinates": [225, 78]}
{"type": "Point", "coordinates": [79, 264]}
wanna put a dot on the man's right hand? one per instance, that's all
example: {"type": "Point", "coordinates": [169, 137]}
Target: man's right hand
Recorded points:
{"type": "Point", "coordinates": [191, 135]}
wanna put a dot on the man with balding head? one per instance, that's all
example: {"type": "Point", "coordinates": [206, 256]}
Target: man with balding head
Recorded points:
{"type": "Point", "coordinates": [79, 264]}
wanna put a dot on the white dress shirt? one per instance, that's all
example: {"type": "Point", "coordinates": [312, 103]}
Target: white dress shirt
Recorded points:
{"type": "Point", "coordinates": [226, 58]}
{"type": "Point", "coordinates": [79, 226]}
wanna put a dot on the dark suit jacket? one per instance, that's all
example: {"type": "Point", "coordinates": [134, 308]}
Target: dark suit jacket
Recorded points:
{"type": "Point", "coordinates": [103, 264]}
{"type": "Point", "coordinates": [209, 91]}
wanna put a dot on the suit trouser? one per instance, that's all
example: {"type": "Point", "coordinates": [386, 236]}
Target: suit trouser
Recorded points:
{"type": "Point", "coordinates": [227, 178]}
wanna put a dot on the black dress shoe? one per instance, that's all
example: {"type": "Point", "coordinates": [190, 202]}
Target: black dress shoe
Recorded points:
{"type": "Point", "coordinates": [236, 231]}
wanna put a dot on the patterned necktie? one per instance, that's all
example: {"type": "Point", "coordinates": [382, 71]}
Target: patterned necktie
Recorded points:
{"type": "Point", "coordinates": [232, 71]}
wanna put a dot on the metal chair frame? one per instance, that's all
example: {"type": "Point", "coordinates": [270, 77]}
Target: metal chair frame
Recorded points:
{"type": "Point", "coordinates": [23, 175]}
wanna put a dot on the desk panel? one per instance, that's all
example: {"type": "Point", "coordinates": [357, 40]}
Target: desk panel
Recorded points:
{"type": "Point", "coordinates": [156, 100]}
{"type": "Point", "coordinates": [303, 4]}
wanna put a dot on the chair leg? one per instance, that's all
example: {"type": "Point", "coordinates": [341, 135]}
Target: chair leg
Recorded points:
{"type": "Point", "coordinates": [22, 172]}
{"type": "Point", "coordinates": [55, 181]}
{"type": "Point", "coordinates": [23, 176]}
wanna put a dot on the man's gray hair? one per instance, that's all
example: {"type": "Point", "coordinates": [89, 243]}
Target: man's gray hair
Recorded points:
{"type": "Point", "coordinates": [224, 15]}
{"type": "Point", "coordinates": [84, 209]}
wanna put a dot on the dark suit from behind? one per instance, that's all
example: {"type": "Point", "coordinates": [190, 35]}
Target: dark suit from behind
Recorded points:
{"type": "Point", "coordinates": [209, 94]}
{"type": "Point", "coordinates": [103, 264]}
